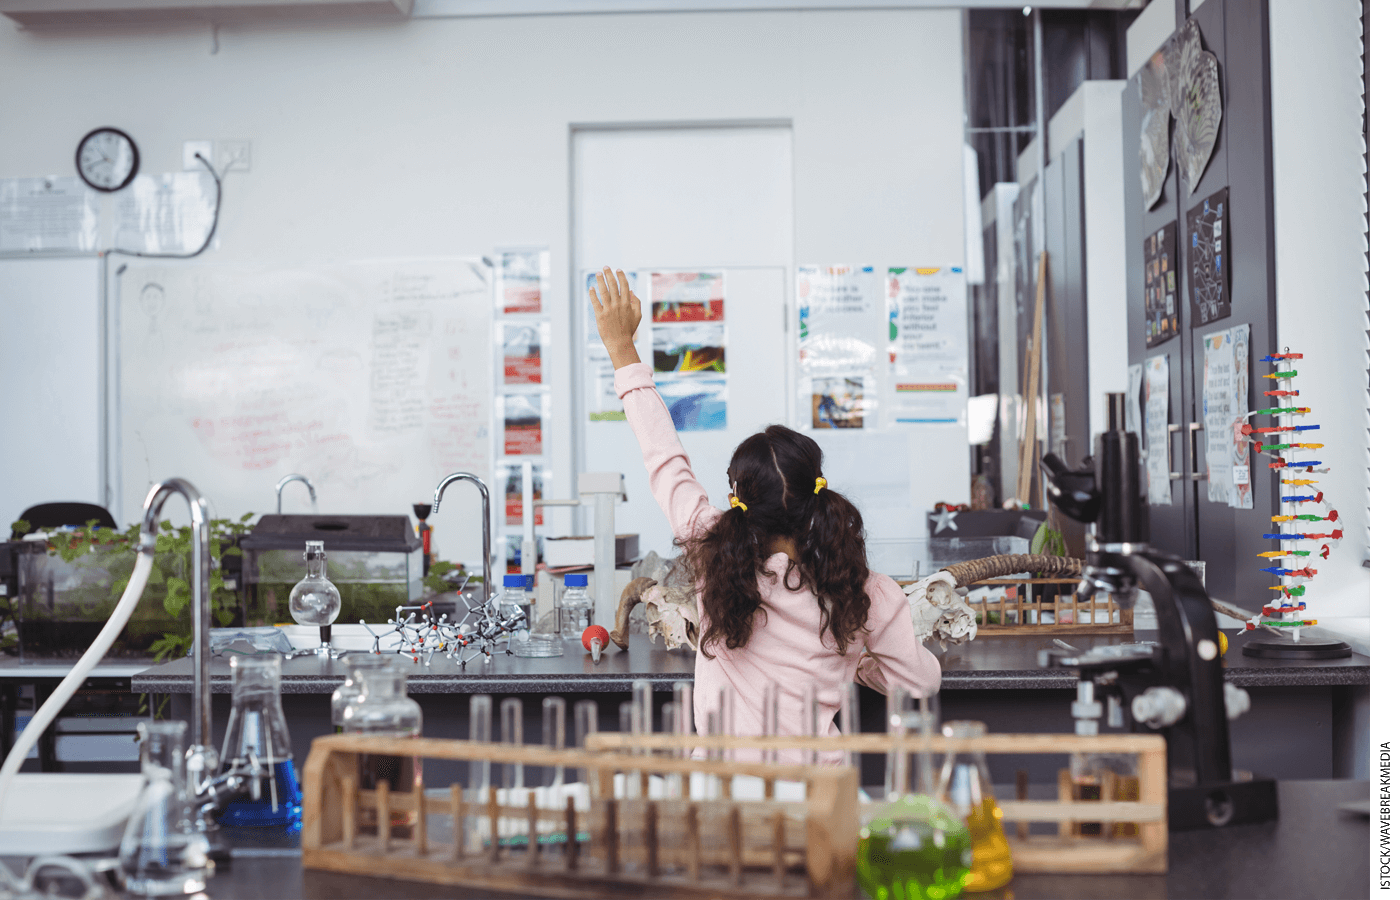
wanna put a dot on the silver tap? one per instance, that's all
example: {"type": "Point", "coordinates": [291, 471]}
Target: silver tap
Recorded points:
{"type": "Point", "coordinates": [486, 590]}
{"type": "Point", "coordinates": [288, 479]}
{"type": "Point", "coordinates": [201, 599]}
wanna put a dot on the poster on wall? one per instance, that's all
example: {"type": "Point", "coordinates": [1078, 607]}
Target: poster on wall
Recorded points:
{"type": "Point", "coordinates": [522, 356]}
{"type": "Point", "coordinates": [1159, 486]}
{"type": "Point", "coordinates": [521, 279]}
{"type": "Point", "coordinates": [523, 424]}
{"type": "Point", "coordinates": [687, 350]}
{"type": "Point", "coordinates": [696, 404]}
{"type": "Point", "coordinates": [1225, 404]}
{"type": "Point", "coordinates": [838, 402]}
{"type": "Point", "coordinates": [687, 297]}
{"type": "Point", "coordinates": [834, 306]}
{"type": "Point", "coordinates": [927, 312]}
{"type": "Point", "coordinates": [1159, 255]}
{"type": "Point", "coordinates": [515, 499]}
{"type": "Point", "coordinates": [1134, 403]}
{"type": "Point", "coordinates": [1209, 226]}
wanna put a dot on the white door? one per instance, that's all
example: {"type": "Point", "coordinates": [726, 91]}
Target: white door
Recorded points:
{"type": "Point", "coordinates": [714, 199]}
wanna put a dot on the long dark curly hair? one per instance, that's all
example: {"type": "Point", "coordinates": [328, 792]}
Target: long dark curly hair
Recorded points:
{"type": "Point", "coordinates": [774, 473]}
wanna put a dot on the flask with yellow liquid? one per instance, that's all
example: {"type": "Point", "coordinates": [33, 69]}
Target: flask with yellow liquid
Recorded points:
{"type": "Point", "coordinates": [966, 785]}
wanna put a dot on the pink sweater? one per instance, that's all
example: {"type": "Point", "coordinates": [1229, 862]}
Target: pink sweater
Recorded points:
{"type": "Point", "coordinates": [787, 646]}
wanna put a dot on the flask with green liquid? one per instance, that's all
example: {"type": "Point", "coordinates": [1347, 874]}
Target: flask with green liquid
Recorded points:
{"type": "Point", "coordinates": [913, 846]}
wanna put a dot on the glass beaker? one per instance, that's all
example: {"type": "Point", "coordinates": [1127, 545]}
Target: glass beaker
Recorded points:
{"type": "Point", "coordinates": [385, 710]}
{"type": "Point", "coordinates": [257, 727]}
{"type": "Point", "coordinates": [161, 852]}
{"type": "Point", "coordinates": [539, 640]}
{"type": "Point", "coordinates": [912, 845]}
{"type": "Point", "coordinates": [350, 691]}
{"type": "Point", "coordinates": [966, 785]}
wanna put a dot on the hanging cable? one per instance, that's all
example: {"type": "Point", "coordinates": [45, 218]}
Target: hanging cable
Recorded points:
{"type": "Point", "coordinates": [213, 226]}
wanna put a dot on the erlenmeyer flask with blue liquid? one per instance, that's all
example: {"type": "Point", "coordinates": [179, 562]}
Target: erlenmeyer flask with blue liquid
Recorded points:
{"type": "Point", "coordinates": [258, 727]}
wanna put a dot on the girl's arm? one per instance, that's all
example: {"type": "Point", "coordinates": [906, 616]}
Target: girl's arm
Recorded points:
{"type": "Point", "coordinates": [894, 655]}
{"type": "Point", "coordinates": [673, 482]}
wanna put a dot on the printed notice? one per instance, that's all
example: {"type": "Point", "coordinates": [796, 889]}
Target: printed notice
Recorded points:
{"type": "Point", "coordinates": [1159, 486]}
{"type": "Point", "coordinates": [521, 357]}
{"type": "Point", "coordinates": [1134, 404]}
{"type": "Point", "coordinates": [47, 214]}
{"type": "Point", "coordinates": [515, 499]}
{"type": "Point", "coordinates": [1225, 404]}
{"type": "Point", "coordinates": [521, 280]}
{"type": "Point", "coordinates": [834, 305]}
{"type": "Point", "coordinates": [524, 424]}
{"type": "Point", "coordinates": [927, 311]}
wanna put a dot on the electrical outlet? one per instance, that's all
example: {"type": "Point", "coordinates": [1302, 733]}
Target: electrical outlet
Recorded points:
{"type": "Point", "coordinates": [204, 149]}
{"type": "Point", "coordinates": [233, 156]}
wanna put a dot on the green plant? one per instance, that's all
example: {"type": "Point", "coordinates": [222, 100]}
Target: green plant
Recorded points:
{"type": "Point", "coordinates": [109, 555]}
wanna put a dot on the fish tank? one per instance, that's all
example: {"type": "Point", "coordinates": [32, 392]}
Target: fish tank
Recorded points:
{"type": "Point", "coordinates": [60, 602]}
{"type": "Point", "coordinates": [375, 561]}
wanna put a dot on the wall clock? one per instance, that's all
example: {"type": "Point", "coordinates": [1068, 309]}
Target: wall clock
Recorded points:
{"type": "Point", "coordinates": [107, 159]}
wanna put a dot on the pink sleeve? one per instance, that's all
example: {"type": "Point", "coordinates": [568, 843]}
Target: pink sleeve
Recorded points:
{"type": "Point", "coordinates": [673, 483]}
{"type": "Point", "coordinates": [894, 654]}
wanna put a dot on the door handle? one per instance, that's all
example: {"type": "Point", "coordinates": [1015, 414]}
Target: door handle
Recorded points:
{"type": "Point", "coordinates": [1190, 439]}
{"type": "Point", "coordinates": [1173, 476]}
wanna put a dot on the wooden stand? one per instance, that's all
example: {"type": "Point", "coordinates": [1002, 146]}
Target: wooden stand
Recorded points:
{"type": "Point", "coordinates": [1027, 611]}
{"type": "Point", "coordinates": [615, 847]}
{"type": "Point", "coordinates": [1143, 852]}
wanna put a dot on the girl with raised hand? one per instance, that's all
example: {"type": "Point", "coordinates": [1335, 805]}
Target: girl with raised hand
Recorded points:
{"type": "Point", "coordinates": [783, 588]}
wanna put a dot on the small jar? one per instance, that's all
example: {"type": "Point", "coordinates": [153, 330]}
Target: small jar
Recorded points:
{"type": "Point", "coordinates": [530, 638]}
{"type": "Point", "coordinates": [384, 709]}
{"type": "Point", "coordinates": [575, 607]}
{"type": "Point", "coordinates": [350, 690]}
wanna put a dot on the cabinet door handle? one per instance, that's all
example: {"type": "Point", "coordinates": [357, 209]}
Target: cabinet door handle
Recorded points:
{"type": "Point", "coordinates": [1171, 429]}
{"type": "Point", "coordinates": [1190, 439]}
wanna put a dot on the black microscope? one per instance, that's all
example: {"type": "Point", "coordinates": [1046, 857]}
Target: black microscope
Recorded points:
{"type": "Point", "coordinates": [1175, 687]}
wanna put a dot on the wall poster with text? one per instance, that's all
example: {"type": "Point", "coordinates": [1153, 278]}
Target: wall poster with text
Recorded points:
{"type": "Point", "coordinates": [1162, 285]}
{"type": "Point", "coordinates": [1209, 226]}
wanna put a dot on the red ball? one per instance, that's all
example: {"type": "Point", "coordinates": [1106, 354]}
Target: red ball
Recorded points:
{"type": "Point", "coordinates": [594, 631]}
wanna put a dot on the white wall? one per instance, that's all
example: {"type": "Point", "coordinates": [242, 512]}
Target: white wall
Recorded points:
{"type": "Point", "coordinates": [441, 137]}
{"type": "Point", "coordinates": [1320, 264]}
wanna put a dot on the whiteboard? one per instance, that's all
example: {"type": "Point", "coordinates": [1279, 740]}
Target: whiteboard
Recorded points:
{"type": "Point", "coordinates": [50, 365]}
{"type": "Point", "coordinates": [371, 379]}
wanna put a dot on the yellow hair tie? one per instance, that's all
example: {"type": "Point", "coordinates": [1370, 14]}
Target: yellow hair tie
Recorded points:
{"type": "Point", "coordinates": [821, 483]}
{"type": "Point", "coordinates": [735, 501]}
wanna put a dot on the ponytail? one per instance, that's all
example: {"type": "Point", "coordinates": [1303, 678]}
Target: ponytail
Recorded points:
{"type": "Point", "coordinates": [779, 492]}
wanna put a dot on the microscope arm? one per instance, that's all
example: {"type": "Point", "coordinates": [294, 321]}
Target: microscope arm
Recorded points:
{"type": "Point", "coordinates": [1187, 632]}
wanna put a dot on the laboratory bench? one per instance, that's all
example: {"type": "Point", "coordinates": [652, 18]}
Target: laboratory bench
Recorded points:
{"type": "Point", "coordinates": [1319, 847]}
{"type": "Point", "coordinates": [1308, 720]}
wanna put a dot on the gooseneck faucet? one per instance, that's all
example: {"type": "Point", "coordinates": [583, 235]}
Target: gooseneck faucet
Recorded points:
{"type": "Point", "coordinates": [485, 524]}
{"type": "Point", "coordinates": [208, 789]}
{"type": "Point", "coordinates": [288, 479]}
{"type": "Point", "coordinates": [201, 599]}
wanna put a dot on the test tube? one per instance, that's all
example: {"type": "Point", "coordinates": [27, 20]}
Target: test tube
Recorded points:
{"type": "Point", "coordinates": [850, 718]}
{"type": "Point", "coordinates": [725, 712]}
{"type": "Point", "coordinates": [513, 732]}
{"type": "Point", "coordinates": [641, 708]}
{"type": "Point", "coordinates": [811, 717]}
{"type": "Point", "coordinates": [479, 770]}
{"type": "Point", "coordinates": [896, 763]}
{"type": "Point", "coordinates": [771, 693]}
{"type": "Point", "coordinates": [553, 736]}
{"type": "Point", "coordinates": [684, 692]}
{"type": "Point", "coordinates": [585, 723]}
{"type": "Point", "coordinates": [713, 728]}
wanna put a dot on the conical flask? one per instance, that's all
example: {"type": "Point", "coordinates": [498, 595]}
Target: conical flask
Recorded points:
{"type": "Point", "coordinates": [966, 784]}
{"type": "Point", "coordinates": [913, 845]}
{"type": "Point", "coordinates": [161, 852]}
{"type": "Point", "coordinates": [258, 728]}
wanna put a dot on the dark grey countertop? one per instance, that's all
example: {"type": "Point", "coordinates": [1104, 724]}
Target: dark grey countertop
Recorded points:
{"type": "Point", "coordinates": [1000, 662]}
{"type": "Point", "coordinates": [1314, 850]}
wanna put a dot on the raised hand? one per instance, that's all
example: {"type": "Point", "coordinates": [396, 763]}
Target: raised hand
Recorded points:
{"type": "Point", "coordinates": [618, 312]}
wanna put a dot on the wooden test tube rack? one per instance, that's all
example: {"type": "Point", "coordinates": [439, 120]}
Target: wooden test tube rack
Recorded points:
{"type": "Point", "coordinates": [1065, 852]}
{"type": "Point", "coordinates": [638, 847]}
